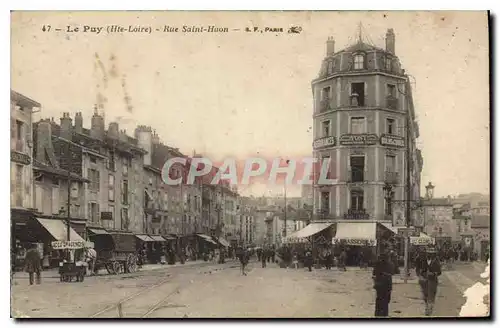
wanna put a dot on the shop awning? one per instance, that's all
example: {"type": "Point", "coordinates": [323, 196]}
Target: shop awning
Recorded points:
{"type": "Point", "coordinates": [169, 237]}
{"type": "Point", "coordinates": [356, 233]}
{"type": "Point", "coordinates": [390, 227]}
{"type": "Point", "coordinates": [224, 242]}
{"type": "Point", "coordinates": [157, 238]}
{"type": "Point", "coordinates": [312, 229]}
{"type": "Point", "coordinates": [422, 240]}
{"type": "Point", "coordinates": [144, 238]}
{"type": "Point", "coordinates": [207, 238]}
{"type": "Point", "coordinates": [58, 229]}
{"type": "Point", "coordinates": [97, 231]}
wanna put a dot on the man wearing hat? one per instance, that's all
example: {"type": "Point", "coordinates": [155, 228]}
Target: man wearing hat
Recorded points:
{"type": "Point", "coordinates": [428, 269]}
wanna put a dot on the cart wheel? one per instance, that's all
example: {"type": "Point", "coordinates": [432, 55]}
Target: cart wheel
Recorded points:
{"type": "Point", "coordinates": [115, 267]}
{"type": "Point", "coordinates": [109, 268]}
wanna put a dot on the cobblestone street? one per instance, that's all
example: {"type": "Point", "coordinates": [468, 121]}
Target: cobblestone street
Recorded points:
{"type": "Point", "coordinates": [213, 290]}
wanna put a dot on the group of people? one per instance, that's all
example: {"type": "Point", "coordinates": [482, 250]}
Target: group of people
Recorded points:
{"type": "Point", "coordinates": [428, 269]}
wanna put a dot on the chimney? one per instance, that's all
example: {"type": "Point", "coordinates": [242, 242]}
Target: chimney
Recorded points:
{"type": "Point", "coordinates": [66, 127]}
{"type": "Point", "coordinates": [143, 134]}
{"type": "Point", "coordinates": [330, 46]}
{"type": "Point", "coordinates": [390, 41]}
{"type": "Point", "coordinates": [97, 126]}
{"type": "Point", "coordinates": [155, 138]}
{"type": "Point", "coordinates": [113, 130]}
{"type": "Point", "coordinates": [44, 147]}
{"type": "Point", "coordinates": [78, 123]}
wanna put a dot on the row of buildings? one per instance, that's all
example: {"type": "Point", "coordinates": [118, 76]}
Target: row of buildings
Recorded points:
{"type": "Point", "coordinates": [109, 180]}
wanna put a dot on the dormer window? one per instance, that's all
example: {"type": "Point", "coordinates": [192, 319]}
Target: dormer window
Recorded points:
{"type": "Point", "coordinates": [388, 64]}
{"type": "Point", "coordinates": [331, 66]}
{"type": "Point", "coordinates": [359, 61]}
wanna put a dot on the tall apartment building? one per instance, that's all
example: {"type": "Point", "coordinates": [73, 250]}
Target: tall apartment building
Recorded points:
{"type": "Point", "coordinates": [363, 109]}
{"type": "Point", "coordinates": [21, 160]}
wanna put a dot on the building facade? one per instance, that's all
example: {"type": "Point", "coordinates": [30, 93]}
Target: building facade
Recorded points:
{"type": "Point", "coordinates": [439, 220]}
{"type": "Point", "coordinates": [21, 150]}
{"type": "Point", "coordinates": [363, 110]}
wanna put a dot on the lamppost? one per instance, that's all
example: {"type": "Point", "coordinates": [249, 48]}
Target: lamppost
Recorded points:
{"type": "Point", "coordinates": [429, 191]}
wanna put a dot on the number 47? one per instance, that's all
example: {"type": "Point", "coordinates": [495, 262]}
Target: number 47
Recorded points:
{"type": "Point", "coordinates": [46, 28]}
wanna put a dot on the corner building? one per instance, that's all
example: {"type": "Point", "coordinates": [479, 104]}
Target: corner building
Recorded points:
{"type": "Point", "coordinates": [362, 103]}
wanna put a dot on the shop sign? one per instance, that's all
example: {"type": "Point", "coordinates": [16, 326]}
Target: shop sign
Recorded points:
{"type": "Point", "coordinates": [421, 241]}
{"type": "Point", "coordinates": [357, 242]}
{"type": "Point", "coordinates": [356, 215]}
{"type": "Point", "coordinates": [324, 142]}
{"type": "Point", "coordinates": [107, 216]}
{"type": "Point", "coordinates": [20, 158]}
{"type": "Point", "coordinates": [392, 141]}
{"type": "Point", "coordinates": [71, 244]}
{"type": "Point", "coordinates": [358, 139]}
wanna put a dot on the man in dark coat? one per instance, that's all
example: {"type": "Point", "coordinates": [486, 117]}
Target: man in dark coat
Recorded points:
{"type": "Point", "coordinates": [33, 264]}
{"type": "Point", "coordinates": [382, 279]}
{"type": "Point", "coordinates": [428, 269]}
{"type": "Point", "coordinates": [244, 257]}
{"type": "Point", "coordinates": [308, 260]}
{"type": "Point", "coordinates": [264, 258]}
{"type": "Point", "coordinates": [341, 260]}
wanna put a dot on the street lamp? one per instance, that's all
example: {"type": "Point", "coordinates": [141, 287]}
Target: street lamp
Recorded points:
{"type": "Point", "coordinates": [429, 191]}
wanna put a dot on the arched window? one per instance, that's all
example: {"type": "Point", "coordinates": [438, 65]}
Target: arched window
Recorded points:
{"type": "Point", "coordinates": [359, 61]}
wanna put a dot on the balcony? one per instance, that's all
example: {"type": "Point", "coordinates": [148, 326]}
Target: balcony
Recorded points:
{"type": "Point", "coordinates": [392, 102]}
{"type": "Point", "coordinates": [324, 105]}
{"type": "Point", "coordinates": [391, 177]}
{"type": "Point", "coordinates": [20, 146]}
{"type": "Point", "coordinates": [356, 176]}
{"type": "Point", "coordinates": [356, 101]}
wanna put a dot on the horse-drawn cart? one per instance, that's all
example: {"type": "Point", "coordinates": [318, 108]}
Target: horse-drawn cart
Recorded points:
{"type": "Point", "coordinates": [116, 252]}
{"type": "Point", "coordinates": [72, 267]}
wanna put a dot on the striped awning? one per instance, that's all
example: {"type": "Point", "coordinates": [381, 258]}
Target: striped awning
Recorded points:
{"type": "Point", "coordinates": [97, 231]}
{"type": "Point", "coordinates": [207, 238]}
{"type": "Point", "coordinates": [59, 230]}
{"type": "Point", "coordinates": [157, 238]}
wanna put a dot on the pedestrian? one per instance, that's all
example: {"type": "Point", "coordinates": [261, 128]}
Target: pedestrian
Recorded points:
{"type": "Point", "coordinates": [341, 260]}
{"type": "Point", "coordinates": [264, 259]}
{"type": "Point", "coordinates": [273, 255]}
{"type": "Point", "coordinates": [428, 269]}
{"type": "Point", "coordinates": [259, 254]}
{"type": "Point", "coordinates": [33, 264]}
{"type": "Point", "coordinates": [244, 261]}
{"type": "Point", "coordinates": [309, 260]}
{"type": "Point", "coordinates": [382, 283]}
{"type": "Point", "coordinates": [295, 260]}
{"type": "Point", "coordinates": [329, 260]}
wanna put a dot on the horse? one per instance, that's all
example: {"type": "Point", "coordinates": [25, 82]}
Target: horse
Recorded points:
{"type": "Point", "coordinates": [90, 258]}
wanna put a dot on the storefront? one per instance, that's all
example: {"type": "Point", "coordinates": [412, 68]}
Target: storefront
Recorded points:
{"type": "Point", "coordinates": [363, 238]}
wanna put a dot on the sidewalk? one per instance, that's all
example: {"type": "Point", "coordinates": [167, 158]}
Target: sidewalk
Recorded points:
{"type": "Point", "coordinates": [54, 273]}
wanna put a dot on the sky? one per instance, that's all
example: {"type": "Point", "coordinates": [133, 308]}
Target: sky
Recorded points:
{"type": "Point", "coordinates": [241, 94]}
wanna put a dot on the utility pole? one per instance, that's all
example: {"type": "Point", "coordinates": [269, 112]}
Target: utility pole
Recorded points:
{"type": "Point", "coordinates": [408, 197]}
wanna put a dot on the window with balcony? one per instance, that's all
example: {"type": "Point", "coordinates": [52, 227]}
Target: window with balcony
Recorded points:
{"type": "Point", "coordinates": [358, 94]}
{"type": "Point", "coordinates": [124, 219]}
{"type": "Point", "coordinates": [359, 61]}
{"type": "Point", "coordinates": [93, 176]}
{"type": "Point", "coordinates": [390, 126]}
{"type": "Point", "coordinates": [357, 168]}
{"type": "Point", "coordinates": [111, 188]}
{"type": "Point", "coordinates": [124, 192]}
{"type": "Point", "coordinates": [19, 185]}
{"type": "Point", "coordinates": [125, 165]}
{"type": "Point", "coordinates": [358, 125]}
{"type": "Point", "coordinates": [325, 127]}
{"type": "Point", "coordinates": [93, 212]}
{"type": "Point", "coordinates": [325, 202]}
{"type": "Point", "coordinates": [357, 200]}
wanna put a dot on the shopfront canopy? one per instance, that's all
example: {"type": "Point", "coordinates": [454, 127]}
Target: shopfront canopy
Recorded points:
{"type": "Point", "coordinates": [312, 229]}
{"type": "Point", "coordinates": [223, 242]}
{"type": "Point", "coordinates": [157, 238]}
{"type": "Point", "coordinates": [356, 233]}
{"type": "Point", "coordinates": [207, 238]}
{"type": "Point", "coordinates": [422, 240]}
{"type": "Point", "coordinates": [97, 231]}
{"type": "Point", "coordinates": [144, 238]}
{"type": "Point", "coordinates": [59, 230]}
{"type": "Point", "coordinates": [390, 227]}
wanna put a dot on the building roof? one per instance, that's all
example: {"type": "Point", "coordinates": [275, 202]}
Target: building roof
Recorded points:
{"type": "Point", "coordinates": [22, 100]}
{"type": "Point", "coordinates": [480, 221]}
{"type": "Point", "coordinates": [58, 172]}
{"type": "Point", "coordinates": [436, 202]}
{"type": "Point", "coordinates": [361, 46]}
